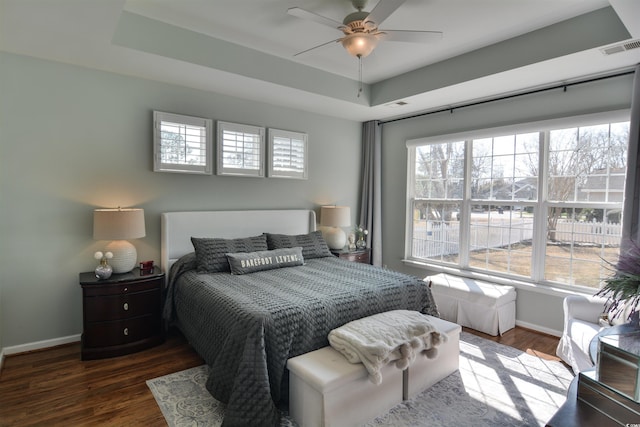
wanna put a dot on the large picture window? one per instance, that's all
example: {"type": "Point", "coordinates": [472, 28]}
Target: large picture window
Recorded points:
{"type": "Point", "coordinates": [537, 202]}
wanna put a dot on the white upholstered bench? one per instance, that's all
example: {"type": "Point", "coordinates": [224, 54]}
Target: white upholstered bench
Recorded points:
{"type": "Point", "coordinates": [326, 390]}
{"type": "Point", "coordinates": [483, 306]}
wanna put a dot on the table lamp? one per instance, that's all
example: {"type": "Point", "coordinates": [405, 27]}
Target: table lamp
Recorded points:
{"type": "Point", "coordinates": [335, 217]}
{"type": "Point", "coordinates": [119, 225]}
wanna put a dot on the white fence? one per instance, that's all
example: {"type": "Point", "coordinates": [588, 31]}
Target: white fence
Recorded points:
{"type": "Point", "coordinates": [599, 233]}
{"type": "Point", "coordinates": [434, 239]}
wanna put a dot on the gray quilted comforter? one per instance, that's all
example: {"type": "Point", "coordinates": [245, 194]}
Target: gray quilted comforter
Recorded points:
{"type": "Point", "coordinates": [246, 327]}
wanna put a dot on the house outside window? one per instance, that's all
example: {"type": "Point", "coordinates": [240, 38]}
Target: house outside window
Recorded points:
{"type": "Point", "coordinates": [537, 202]}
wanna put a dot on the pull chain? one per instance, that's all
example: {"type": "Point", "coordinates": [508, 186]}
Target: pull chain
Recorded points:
{"type": "Point", "coordinates": [359, 75]}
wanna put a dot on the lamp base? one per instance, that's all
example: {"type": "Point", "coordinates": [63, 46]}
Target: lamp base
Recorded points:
{"type": "Point", "coordinates": [124, 256]}
{"type": "Point", "coordinates": [335, 237]}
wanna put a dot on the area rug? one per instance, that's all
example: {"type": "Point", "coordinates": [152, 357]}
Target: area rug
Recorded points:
{"type": "Point", "coordinates": [495, 386]}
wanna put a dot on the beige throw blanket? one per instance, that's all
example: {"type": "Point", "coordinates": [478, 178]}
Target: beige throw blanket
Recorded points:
{"type": "Point", "coordinates": [377, 340]}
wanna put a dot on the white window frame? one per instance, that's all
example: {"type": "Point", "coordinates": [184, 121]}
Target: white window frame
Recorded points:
{"type": "Point", "coordinates": [205, 125]}
{"type": "Point", "coordinates": [272, 170]}
{"type": "Point", "coordinates": [540, 206]}
{"type": "Point", "coordinates": [256, 131]}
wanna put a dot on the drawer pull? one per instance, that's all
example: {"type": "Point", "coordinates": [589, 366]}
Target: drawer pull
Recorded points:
{"type": "Point", "coordinates": [126, 306]}
{"type": "Point", "coordinates": [126, 331]}
{"type": "Point", "coordinates": [126, 289]}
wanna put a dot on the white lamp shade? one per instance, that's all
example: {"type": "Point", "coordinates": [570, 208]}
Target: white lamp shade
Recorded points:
{"type": "Point", "coordinates": [119, 225]}
{"type": "Point", "coordinates": [335, 216]}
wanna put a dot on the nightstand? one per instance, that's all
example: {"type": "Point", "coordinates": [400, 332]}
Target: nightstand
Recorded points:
{"type": "Point", "coordinates": [359, 255]}
{"type": "Point", "coordinates": [122, 314]}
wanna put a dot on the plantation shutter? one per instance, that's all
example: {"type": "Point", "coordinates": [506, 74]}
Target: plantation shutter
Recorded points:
{"type": "Point", "coordinates": [182, 143]}
{"type": "Point", "coordinates": [240, 149]}
{"type": "Point", "coordinates": [287, 154]}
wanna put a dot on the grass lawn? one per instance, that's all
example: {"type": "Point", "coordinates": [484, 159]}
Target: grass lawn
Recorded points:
{"type": "Point", "coordinates": [577, 265]}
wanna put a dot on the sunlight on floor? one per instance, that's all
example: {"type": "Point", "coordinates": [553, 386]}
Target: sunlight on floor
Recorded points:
{"type": "Point", "coordinates": [500, 380]}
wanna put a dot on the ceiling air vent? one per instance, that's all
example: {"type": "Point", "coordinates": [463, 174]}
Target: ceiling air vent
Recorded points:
{"type": "Point", "coordinates": [622, 47]}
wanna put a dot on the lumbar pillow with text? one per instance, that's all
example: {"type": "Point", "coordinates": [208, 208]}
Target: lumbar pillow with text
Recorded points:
{"type": "Point", "coordinates": [249, 262]}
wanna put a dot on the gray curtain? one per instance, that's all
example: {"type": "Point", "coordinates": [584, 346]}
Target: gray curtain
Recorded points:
{"type": "Point", "coordinates": [370, 203]}
{"type": "Point", "coordinates": [631, 218]}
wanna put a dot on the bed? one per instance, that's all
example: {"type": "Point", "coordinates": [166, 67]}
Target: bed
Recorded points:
{"type": "Point", "coordinates": [247, 324]}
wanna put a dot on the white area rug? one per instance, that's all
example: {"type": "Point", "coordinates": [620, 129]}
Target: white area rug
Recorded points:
{"type": "Point", "coordinates": [496, 386]}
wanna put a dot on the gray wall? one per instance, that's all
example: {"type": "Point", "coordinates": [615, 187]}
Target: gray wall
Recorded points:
{"type": "Point", "coordinates": [540, 308]}
{"type": "Point", "coordinates": [73, 139]}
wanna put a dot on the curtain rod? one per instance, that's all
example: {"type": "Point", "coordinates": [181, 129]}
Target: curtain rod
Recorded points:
{"type": "Point", "coordinates": [562, 86]}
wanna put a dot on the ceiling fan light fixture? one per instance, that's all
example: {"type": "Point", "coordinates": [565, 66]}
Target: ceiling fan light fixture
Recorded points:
{"type": "Point", "coordinates": [360, 45]}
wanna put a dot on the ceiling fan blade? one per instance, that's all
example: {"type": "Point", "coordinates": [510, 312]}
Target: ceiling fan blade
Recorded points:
{"type": "Point", "coordinates": [383, 10]}
{"type": "Point", "coordinates": [305, 14]}
{"type": "Point", "coordinates": [410, 36]}
{"type": "Point", "coordinates": [319, 46]}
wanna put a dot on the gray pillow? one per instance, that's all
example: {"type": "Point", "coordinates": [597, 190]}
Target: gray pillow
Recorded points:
{"type": "Point", "coordinates": [249, 262]}
{"type": "Point", "coordinates": [313, 244]}
{"type": "Point", "coordinates": [211, 253]}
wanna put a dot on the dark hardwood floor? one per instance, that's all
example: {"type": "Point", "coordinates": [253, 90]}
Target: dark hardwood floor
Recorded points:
{"type": "Point", "coordinates": [53, 387]}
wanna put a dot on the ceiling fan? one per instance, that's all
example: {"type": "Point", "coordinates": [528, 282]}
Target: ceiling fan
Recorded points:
{"type": "Point", "coordinates": [361, 29]}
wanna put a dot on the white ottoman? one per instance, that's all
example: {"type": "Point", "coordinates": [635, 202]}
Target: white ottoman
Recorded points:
{"type": "Point", "coordinates": [424, 372]}
{"type": "Point", "coordinates": [326, 390]}
{"type": "Point", "coordinates": [482, 306]}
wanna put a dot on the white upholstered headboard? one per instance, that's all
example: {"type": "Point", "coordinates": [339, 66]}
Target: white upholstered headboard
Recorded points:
{"type": "Point", "coordinates": [177, 228]}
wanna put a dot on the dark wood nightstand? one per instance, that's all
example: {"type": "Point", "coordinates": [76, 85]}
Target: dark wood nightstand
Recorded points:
{"type": "Point", "coordinates": [359, 255]}
{"type": "Point", "coordinates": [122, 314]}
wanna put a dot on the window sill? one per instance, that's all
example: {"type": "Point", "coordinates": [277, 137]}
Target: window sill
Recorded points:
{"type": "Point", "coordinates": [541, 288]}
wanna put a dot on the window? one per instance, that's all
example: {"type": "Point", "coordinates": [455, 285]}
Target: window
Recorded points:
{"type": "Point", "coordinates": [287, 154]}
{"type": "Point", "coordinates": [538, 202]}
{"type": "Point", "coordinates": [240, 149]}
{"type": "Point", "coordinates": [181, 144]}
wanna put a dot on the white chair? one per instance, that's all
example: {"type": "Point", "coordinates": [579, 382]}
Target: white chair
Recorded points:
{"type": "Point", "coordinates": [581, 324]}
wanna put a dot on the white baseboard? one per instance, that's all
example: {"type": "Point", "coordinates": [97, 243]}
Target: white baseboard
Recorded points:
{"type": "Point", "coordinates": [39, 345]}
{"type": "Point", "coordinates": [539, 328]}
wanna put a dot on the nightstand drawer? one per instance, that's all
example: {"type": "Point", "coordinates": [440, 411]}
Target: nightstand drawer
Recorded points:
{"type": "Point", "coordinates": [358, 257]}
{"type": "Point", "coordinates": [361, 256]}
{"type": "Point", "coordinates": [104, 334]}
{"type": "Point", "coordinates": [96, 290]}
{"type": "Point", "coordinates": [122, 306]}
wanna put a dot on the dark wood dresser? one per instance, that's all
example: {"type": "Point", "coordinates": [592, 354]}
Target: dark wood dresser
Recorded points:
{"type": "Point", "coordinates": [122, 314]}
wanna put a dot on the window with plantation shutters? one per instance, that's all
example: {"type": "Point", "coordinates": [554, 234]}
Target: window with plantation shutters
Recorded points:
{"type": "Point", "coordinates": [240, 149]}
{"type": "Point", "coordinates": [287, 154]}
{"type": "Point", "coordinates": [182, 144]}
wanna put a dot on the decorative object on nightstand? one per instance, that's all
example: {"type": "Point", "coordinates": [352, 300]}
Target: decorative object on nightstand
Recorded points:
{"type": "Point", "coordinates": [121, 314]}
{"type": "Point", "coordinates": [335, 217]}
{"type": "Point", "coordinates": [361, 234]}
{"type": "Point", "coordinates": [352, 242]}
{"type": "Point", "coordinates": [103, 270]}
{"type": "Point", "coordinates": [119, 225]}
{"type": "Point", "coordinates": [359, 255]}
{"type": "Point", "coordinates": [146, 267]}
